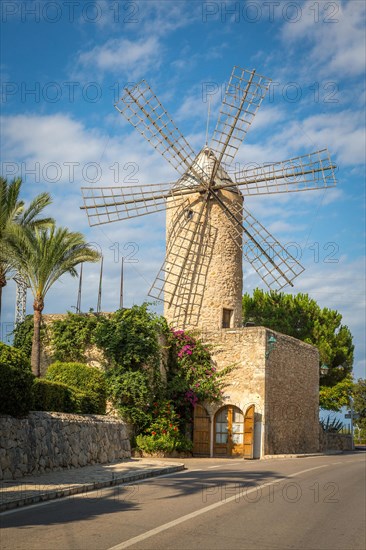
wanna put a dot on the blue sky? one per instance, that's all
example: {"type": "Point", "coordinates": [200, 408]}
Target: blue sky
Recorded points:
{"type": "Point", "coordinates": [63, 65]}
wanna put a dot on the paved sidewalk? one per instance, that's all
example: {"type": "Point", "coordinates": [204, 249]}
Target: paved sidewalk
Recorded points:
{"type": "Point", "coordinates": [52, 485]}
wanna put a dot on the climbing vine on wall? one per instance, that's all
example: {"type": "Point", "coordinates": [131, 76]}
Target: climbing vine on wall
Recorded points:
{"type": "Point", "coordinates": [140, 350]}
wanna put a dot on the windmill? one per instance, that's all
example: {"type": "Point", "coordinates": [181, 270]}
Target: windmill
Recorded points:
{"type": "Point", "coordinates": [208, 228]}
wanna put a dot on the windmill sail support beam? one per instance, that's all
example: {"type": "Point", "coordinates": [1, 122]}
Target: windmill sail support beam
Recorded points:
{"type": "Point", "coordinates": [313, 171]}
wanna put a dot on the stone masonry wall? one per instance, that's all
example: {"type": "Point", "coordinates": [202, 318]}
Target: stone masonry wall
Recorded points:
{"type": "Point", "coordinates": [292, 397]}
{"type": "Point", "coordinates": [45, 441]}
{"type": "Point", "coordinates": [243, 349]}
{"type": "Point", "coordinates": [335, 442]}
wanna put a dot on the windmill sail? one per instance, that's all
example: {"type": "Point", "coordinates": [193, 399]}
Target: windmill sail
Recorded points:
{"type": "Point", "coordinates": [140, 106]}
{"type": "Point", "coordinates": [273, 263]}
{"type": "Point", "coordinates": [244, 95]}
{"type": "Point", "coordinates": [181, 280]}
{"type": "Point", "coordinates": [305, 173]}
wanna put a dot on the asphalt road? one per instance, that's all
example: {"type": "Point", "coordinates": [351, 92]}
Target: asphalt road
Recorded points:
{"type": "Point", "coordinates": [315, 503]}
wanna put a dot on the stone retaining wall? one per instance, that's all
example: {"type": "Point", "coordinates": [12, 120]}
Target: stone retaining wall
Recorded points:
{"type": "Point", "coordinates": [45, 441]}
{"type": "Point", "coordinates": [335, 442]}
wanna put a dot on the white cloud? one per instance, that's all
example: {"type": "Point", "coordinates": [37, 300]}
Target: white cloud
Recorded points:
{"type": "Point", "coordinates": [62, 139]}
{"type": "Point", "coordinates": [343, 133]}
{"type": "Point", "coordinates": [335, 32]}
{"type": "Point", "coordinates": [133, 58]}
{"type": "Point", "coordinates": [279, 226]}
{"type": "Point", "coordinates": [160, 18]}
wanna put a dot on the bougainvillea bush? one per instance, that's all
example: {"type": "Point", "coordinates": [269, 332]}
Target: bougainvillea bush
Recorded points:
{"type": "Point", "coordinates": [191, 378]}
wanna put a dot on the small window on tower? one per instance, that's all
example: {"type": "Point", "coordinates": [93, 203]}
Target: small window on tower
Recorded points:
{"type": "Point", "coordinates": [227, 316]}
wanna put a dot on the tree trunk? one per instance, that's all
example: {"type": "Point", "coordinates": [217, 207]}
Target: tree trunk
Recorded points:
{"type": "Point", "coordinates": [1, 293]}
{"type": "Point", "coordinates": [38, 306]}
{"type": "Point", "coordinates": [2, 284]}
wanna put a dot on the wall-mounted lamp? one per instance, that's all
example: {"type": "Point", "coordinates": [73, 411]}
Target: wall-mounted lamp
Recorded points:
{"type": "Point", "coordinates": [271, 343]}
{"type": "Point", "coordinates": [324, 369]}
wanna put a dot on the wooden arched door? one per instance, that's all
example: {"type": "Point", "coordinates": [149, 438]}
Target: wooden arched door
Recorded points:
{"type": "Point", "coordinates": [249, 432]}
{"type": "Point", "coordinates": [229, 431]}
{"type": "Point", "coordinates": [234, 432]}
{"type": "Point", "coordinates": [201, 431]}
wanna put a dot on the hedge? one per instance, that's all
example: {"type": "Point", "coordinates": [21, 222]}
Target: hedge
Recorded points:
{"type": "Point", "coordinates": [58, 397]}
{"type": "Point", "coordinates": [52, 396]}
{"type": "Point", "coordinates": [88, 382]}
{"type": "Point", "coordinates": [13, 357]}
{"type": "Point", "coordinates": [16, 390]}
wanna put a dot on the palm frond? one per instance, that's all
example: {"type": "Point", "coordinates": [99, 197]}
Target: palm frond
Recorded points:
{"type": "Point", "coordinates": [43, 255]}
{"type": "Point", "coordinates": [30, 215]}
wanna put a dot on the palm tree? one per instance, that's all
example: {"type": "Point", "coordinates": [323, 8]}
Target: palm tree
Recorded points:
{"type": "Point", "coordinates": [12, 211]}
{"type": "Point", "coordinates": [42, 256]}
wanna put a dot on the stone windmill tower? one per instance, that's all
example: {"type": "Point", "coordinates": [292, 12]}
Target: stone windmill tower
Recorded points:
{"type": "Point", "coordinates": [208, 228]}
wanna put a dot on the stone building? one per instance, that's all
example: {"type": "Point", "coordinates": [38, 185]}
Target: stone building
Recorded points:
{"type": "Point", "coordinates": [271, 399]}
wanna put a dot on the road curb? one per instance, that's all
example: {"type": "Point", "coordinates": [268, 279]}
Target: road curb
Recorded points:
{"type": "Point", "coordinates": [87, 487]}
{"type": "Point", "coordinates": [303, 455]}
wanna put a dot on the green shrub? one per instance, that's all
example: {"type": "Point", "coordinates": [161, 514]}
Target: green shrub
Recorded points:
{"type": "Point", "coordinates": [85, 403]}
{"type": "Point", "coordinates": [71, 336]}
{"type": "Point", "coordinates": [58, 397]}
{"type": "Point", "coordinates": [23, 335]}
{"type": "Point", "coordinates": [13, 357]}
{"type": "Point", "coordinates": [163, 444]}
{"type": "Point", "coordinates": [129, 337]}
{"type": "Point", "coordinates": [52, 396]}
{"type": "Point", "coordinates": [163, 434]}
{"type": "Point", "coordinates": [16, 390]}
{"type": "Point", "coordinates": [131, 393]}
{"type": "Point", "coordinates": [89, 383]}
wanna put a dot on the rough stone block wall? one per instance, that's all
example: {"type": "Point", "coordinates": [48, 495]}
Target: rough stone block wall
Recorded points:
{"type": "Point", "coordinates": [335, 442]}
{"type": "Point", "coordinates": [243, 349]}
{"type": "Point", "coordinates": [292, 397]}
{"type": "Point", "coordinates": [44, 441]}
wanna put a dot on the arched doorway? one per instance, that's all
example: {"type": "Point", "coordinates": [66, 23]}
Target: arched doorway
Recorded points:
{"type": "Point", "coordinates": [233, 432]}
{"type": "Point", "coordinates": [201, 431]}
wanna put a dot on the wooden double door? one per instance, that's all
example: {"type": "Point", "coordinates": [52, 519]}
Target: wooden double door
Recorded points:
{"type": "Point", "coordinates": [233, 432]}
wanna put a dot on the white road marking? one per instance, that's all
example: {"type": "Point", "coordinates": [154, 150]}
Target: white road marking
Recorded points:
{"type": "Point", "coordinates": [182, 519]}
{"type": "Point", "coordinates": [213, 467]}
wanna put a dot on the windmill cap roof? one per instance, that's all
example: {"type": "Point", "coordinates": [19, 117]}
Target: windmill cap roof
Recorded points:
{"type": "Point", "coordinates": [205, 160]}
